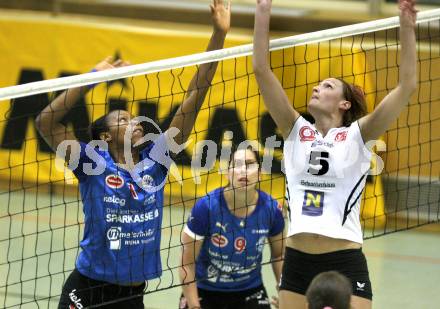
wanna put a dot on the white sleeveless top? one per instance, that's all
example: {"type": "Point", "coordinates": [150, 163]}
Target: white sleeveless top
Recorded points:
{"type": "Point", "coordinates": [325, 177]}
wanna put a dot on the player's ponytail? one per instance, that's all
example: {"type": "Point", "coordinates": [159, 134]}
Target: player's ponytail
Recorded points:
{"type": "Point", "coordinates": [356, 96]}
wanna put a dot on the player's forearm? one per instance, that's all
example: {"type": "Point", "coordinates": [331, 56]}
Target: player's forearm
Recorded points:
{"type": "Point", "coordinates": [187, 113]}
{"type": "Point", "coordinates": [52, 114]}
{"type": "Point", "coordinates": [191, 295]}
{"type": "Point", "coordinates": [189, 287]}
{"type": "Point", "coordinates": [408, 60]}
{"type": "Point", "coordinates": [205, 73]}
{"type": "Point", "coordinates": [261, 39]}
{"type": "Point", "coordinates": [277, 267]}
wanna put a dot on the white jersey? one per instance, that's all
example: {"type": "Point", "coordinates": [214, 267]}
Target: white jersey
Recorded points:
{"type": "Point", "coordinates": [325, 177]}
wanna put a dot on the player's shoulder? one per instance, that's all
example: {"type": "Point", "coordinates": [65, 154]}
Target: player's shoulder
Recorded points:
{"type": "Point", "coordinates": [215, 194]}
{"type": "Point", "coordinates": [267, 199]}
{"type": "Point", "coordinates": [351, 133]}
{"type": "Point", "coordinates": [303, 129]}
{"type": "Point", "coordinates": [145, 150]}
{"type": "Point", "coordinates": [353, 127]}
{"type": "Point", "coordinates": [211, 199]}
{"type": "Point", "coordinates": [94, 154]}
{"type": "Point", "coordinates": [214, 197]}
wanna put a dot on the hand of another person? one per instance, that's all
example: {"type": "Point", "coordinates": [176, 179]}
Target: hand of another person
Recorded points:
{"type": "Point", "coordinates": [109, 63]}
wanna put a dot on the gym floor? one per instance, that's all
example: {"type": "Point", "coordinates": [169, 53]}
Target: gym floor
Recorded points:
{"type": "Point", "coordinates": [43, 243]}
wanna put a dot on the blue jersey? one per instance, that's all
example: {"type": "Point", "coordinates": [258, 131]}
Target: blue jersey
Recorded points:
{"type": "Point", "coordinates": [121, 242]}
{"type": "Point", "coordinates": [231, 254]}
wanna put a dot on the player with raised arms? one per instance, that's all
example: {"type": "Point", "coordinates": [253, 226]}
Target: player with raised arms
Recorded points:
{"type": "Point", "coordinates": [324, 182]}
{"type": "Point", "coordinates": [223, 241]}
{"type": "Point", "coordinates": [121, 243]}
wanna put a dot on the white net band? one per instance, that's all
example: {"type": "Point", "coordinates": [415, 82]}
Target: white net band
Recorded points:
{"type": "Point", "coordinates": [205, 57]}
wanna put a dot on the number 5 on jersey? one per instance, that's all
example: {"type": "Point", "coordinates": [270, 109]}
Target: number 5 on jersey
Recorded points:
{"type": "Point", "coordinates": [318, 159]}
{"type": "Point", "coordinates": [313, 204]}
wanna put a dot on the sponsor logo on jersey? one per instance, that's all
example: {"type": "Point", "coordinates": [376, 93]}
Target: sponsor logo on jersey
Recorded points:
{"type": "Point", "coordinates": [212, 273]}
{"type": "Point", "coordinates": [113, 233]}
{"type": "Point", "coordinates": [341, 136]}
{"type": "Point", "coordinates": [215, 254]}
{"type": "Point", "coordinates": [147, 182]}
{"type": "Point", "coordinates": [315, 184]}
{"type": "Point", "coordinates": [219, 240]}
{"type": "Point", "coordinates": [114, 200]}
{"type": "Point", "coordinates": [133, 191]}
{"type": "Point", "coordinates": [313, 203]}
{"type": "Point", "coordinates": [260, 231]}
{"type": "Point", "coordinates": [223, 227]}
{"type": "Point", "coordinates": [134, 218]}
{"type": "Point", "coordinates": [114, 181]}
{"type": "Point", "coordinates": [306, 134]}
{"type": "Point", "coordinates": [260, 244]}
{"type": "Point", "coordinates": [150, 200]}
{"type": "Point", "coordinates": [240, 244]}
{"type": "Point", "coordinates": [114, 237]}
{"type": "Point", "coordinates": [322, 143]}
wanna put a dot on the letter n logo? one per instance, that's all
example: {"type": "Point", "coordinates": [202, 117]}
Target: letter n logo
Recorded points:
{"type": "Point", "coordinates": [313, 203]}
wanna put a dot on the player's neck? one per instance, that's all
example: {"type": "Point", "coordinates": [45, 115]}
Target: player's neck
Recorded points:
{"type": "Point", "coordinates": [324, 123]}
{"type": "Point", "coordinates": [121, 159]}
{"type": "Point", "coordinates": [241, 202]}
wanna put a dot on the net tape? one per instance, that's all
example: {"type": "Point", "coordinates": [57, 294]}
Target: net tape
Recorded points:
{"type": "Point", "coordinates": [205, 57]}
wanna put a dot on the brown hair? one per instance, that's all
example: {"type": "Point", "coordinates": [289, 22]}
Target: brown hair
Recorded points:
{"type": "Point", "coordinates": [356, 96]}
{"type": "Point", "coordinates": [235, 148]}
{"type": "Point", "coordinates": [329, 289]}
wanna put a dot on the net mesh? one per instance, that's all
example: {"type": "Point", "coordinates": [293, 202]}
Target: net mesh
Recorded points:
{"type": "Point", "coordinates": [41, 215]}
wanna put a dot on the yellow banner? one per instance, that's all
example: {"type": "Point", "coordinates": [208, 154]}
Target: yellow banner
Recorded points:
{"type": "Point", "coordinates": [44, 49]}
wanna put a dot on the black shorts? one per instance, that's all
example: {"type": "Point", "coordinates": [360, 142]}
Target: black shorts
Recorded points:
{"type": "Point", "coordinates": [80, 291]}
{"type": "Point", "coordinates": [300, 268]}
{"type": "Point", "coordinates": [248, 299]}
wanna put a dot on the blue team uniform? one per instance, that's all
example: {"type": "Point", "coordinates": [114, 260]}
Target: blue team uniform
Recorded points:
{"type": "Point", "coordinates": [121, 241]}
{"type": "Point", "coordinates": [231, 254]}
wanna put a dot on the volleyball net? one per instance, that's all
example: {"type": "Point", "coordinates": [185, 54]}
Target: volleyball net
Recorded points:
{"type": "Point", "coordinates": [42, 219]}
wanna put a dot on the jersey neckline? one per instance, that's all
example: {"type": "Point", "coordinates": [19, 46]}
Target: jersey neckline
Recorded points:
{"type": "Point", "coordinates": [224, 204]}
